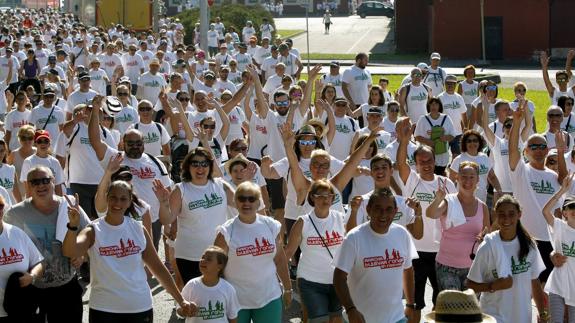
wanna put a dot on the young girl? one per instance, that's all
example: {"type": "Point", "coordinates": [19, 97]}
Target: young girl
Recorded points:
{"type": "Point", "coordinates": [563, 238]}
{"type": "Point", "coordinates": [43, 157]}
{"type": "Point", "coordinates": [8, 178]}
{"type": "Point", "coordinates": [214, 297]}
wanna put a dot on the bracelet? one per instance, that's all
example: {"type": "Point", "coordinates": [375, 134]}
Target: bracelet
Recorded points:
{"type": "Point", "coordinates": [288, 290]}
{"type": "Point", "coordinates": [412, 306]}
{"type": "Point", "coordinates": [71, 228]}
{"type": "Point", "coordinates": [348, 309]}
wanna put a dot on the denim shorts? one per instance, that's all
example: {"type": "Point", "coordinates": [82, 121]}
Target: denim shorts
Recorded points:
{"type": "Point", "coordinates": [319, 299]}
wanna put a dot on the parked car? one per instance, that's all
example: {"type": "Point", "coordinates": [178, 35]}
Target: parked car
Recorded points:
{"type": "Point", "coordinates": [375, 8]}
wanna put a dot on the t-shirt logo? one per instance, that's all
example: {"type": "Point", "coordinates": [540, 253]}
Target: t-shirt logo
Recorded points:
{"type": "Point", "coordinates": [151, 137]}
{"type": "Point", "coordinates": [425, 197]}
{"type": "Point", "coordinates": [84, 141]}
{"type": "Point", "coordinates": [333, 239]}
{"type": "Point", "coordinates": [361, 77]}
{"type": "Point", "coordinates": [568, 251]}
{"type": "Point", "coordinates": [262, 129]}
{"type": "Point", "coordinates": [123, 250]}
{"type": "Point", "coordinates": [483, 169]}
{"type": "Point", "coordinates": [10, 257]}
{"type": "Point", "coordinates": [387, 262]}
{"type": "Point", "coordinates": [419, 97]}
{"type": "Point", "coordinates": [6, 183]}
{"type": "Point", "coordinates": [124, 118]}
{"type": "Point", "coordinates": [451, 105]}
{"type": "Point", "coordinates": [342, 128]}
{"type": "Point", "coordinates": [153, 83]}
{"type": "Point", "coordinates": [258, 249]}
{"type": "Point", "coordinates": [521, 266]}
{"type": "Point", "coordinates": [471, 92]}
{"type": "Point", "coordinates": [397, 216]}
{"type": "Point", "coordinates": [206, 202]}
{"type": "Point", "coordinates": [543, 187]}
{"type": "Point", "coordinates": [211, 313]}
{"type": "Point", "coordinates": [19, 124]}
{"type": "Point", "coordinates": [40, 123]}
{"type": "Point", "coordinates": [143, 172]}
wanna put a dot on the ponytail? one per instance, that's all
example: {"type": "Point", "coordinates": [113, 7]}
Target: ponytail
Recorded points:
{"type": "Point", "coordinates": [525, 240]}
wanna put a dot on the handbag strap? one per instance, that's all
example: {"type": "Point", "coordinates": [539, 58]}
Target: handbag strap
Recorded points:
{"type": "Point", "coordinates": [322, 240]}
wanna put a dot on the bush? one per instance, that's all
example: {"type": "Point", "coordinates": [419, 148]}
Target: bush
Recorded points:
{"type": "Point", "coordinates": [232, 15]}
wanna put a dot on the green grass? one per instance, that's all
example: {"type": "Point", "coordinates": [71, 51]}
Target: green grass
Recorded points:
{"type": "Point", "coordinates": [374, 57]}
{"type": "Point", "coordinates": [539, 98]}
{"type": "Point", "coordinates": [289, 33]}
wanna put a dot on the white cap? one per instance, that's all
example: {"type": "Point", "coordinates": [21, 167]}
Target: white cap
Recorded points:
{"type": "Point", "coordinates": [435, 55]}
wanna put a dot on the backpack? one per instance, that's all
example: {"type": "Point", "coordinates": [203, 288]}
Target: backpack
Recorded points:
{"type": "Point", "coordinates": [159, 164]}
{"type": "Point", "coordinates": [179, 149]}
{"type": "Point", "coordinates": [440, 147]}
{"type": "Point", "coordinates": [440, 70]}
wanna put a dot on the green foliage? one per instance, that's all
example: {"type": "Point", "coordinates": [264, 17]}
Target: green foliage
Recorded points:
{"type": "Point", "coordinates": [234, 15]}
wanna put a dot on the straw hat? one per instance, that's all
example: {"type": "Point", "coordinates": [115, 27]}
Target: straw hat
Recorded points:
{"type": "Point", "coordinates": [317, 123]}
{"type": "Point", "coordinates": [239, 158]}
{"type": "Point", "coordinates": [458, 306]}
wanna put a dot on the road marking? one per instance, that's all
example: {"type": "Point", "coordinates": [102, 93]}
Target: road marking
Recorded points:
{"type": "Point", "coordinates": [350, 50]}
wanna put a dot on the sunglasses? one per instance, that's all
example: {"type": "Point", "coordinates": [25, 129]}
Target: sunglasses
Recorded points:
{"type": "Point", "coordinates": [324, 196]}
{"type": "Point", "coordinates": [197, 163]}
{"type": "Point", "coordinates": [296, 95]}
{"type": "Point", "coordinates": [508, 125]}
{"type": "Point", "coordinates": [40, 181]}
{"type": "Point", "coordinates": [491, 87]}
{"type": "Point", "coordinates": [416, 74]}
{"type": "Point", "coordinates": [123, 94]}
{"type": "Point", "coordinates": [26, 138]}
{"type": "Point", "coordinates": [244, 199]}
{"type": "Point", "coordinates": [134, 143]}
{"type": "Point", "coordinates": [184, 99]}
{"type": "Point", "coordinates": [311, 142]}
{"type": "Point", "coordinates": [282, 104]}
{"type": "Point", "coordinates": [321, 166]}
{"type": "Point", "coordinates": [43, 141]}
{"type": "Point", "coordinates": [472, 141]}
{"type": "Point", "coordinates": [243, 148]}
{"type": "Point", "coordinates": [49, 96]}
{"type": "Point", "coordinates": [537, 146]}
{"type": "Point", "coordinates": [209, 126]}
{"type": "Point", "coordinates": [561, 80]}
{"type": "Point", "coordinates": [145, 109]}
{"type": "Point", "coordinates": [554, 115]}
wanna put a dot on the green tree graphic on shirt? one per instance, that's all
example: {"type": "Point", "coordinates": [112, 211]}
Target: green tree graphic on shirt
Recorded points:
{"type": "Point", "coordinates": [213, 312]}
{"type": "Point", "coordinates": [568, 251]}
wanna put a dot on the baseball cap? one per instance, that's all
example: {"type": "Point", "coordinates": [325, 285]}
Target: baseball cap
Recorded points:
{"type": "Point", "coordinates": [49, 90]}
{"type": "Point", "coordinates": [283, 46]}
{"type": "Point", "coordinates": [422, 66]}
{"type": "Point", "coordinates": [273, 47]}
{"type": "Point", "coordinates": [83, 76]}
{"type": "Point", "coordinates": [9, 49]}
{"type": "Point", "coordinates": [61, 52]}
{"type": "Point", "coordinates": [53, 72]}
{"type": "Point", "coordinates": [334, 64]}
{"type": "Point", "coordinates": [242, 45]}
{"type": "Point", "coordinates": [209, 74]}
{"type": "Point", "coordinates": [450, 78]}
{"type": "Point", "coordinates": [201, 54]}
{"type": "Point", "coordinates": [39, 134]}
{"type": "Point", "coordinates": [154, 61]}
{"type": "Point", "coordinates": [435, 55]}
{"type": "Point", "coordinates": [568, 203]}
{"type": "Point", "coordinates": [51, 58]}
{"type": "Point", "coordinates": [375, 110]}
{"type": "Point", "coordinates": [124, 79]}
{"type": "Point", "coordinates": [226, 92]}
{"type": "Point", "coordinates": [340, 99]}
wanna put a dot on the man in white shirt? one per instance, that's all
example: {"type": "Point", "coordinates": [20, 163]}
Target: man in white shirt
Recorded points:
{"type": "Point", "coordinates": [12, 84]}
{"type": "Point", "coordinates": [223, 58]}
{"type": "Point", "coordinates": [151, 83]}
{"type": "Point", "coordinates": [454, 106]}
{"type": "Point", "coordinates": [111, 63]}
{"type": "Point", "coordinates": [269, 64]}
{"type": "Point", "coordinates": [292, 63]}
{"type": "Point", "coordinates": [435, 77]}
{"type": "Point", "coordinates": [47, 116]}
{"type": "Point", "coordinates": [275, 81]}
{"type": "Point", "coordinates": [356, 81]}
{"type": "Point", "coordinates": [333, 78]}
{"type": "Point", "coordinates": [223, 83]}
{"type": "Point", "coordinates": [52, 66]}
{"type": "Point", "coordinates": [146, 54]}
{"type": "Point", "coordinates": [266, 29]}
{"type": "Point", "coordinates": [84, 94]}
{"type": "Point", "coordinates": [374, 266]}
{"type": "Point", "coordinates": [133, 65]}
{"type": "Point", "coordinates": [220, 28]}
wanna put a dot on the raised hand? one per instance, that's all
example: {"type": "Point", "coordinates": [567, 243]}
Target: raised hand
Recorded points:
{"type": "Point", "coordinates": [560, 144]}
{"type": "Point", "coordinates": [288, 136]}
{"type": "Point", "coordinates": [544, 59]}
{"type": "Point", "coordinates": [570, 54]}
{"type": "Point", "coordinates": [97, 102]}
{"type": "Point", "coordinates": [413, 203]}
{"type": "Point", "coordinates": [250, 171]}
{"type": "Point", "coordinates": [518, 113]}
{"type": "Point", "coordinates": [162, 193]}
{"type": "Point", "coordinates": [567, 182]}
{"type": "Point", "coordinates": [403, 130]}
{"type": "Point", "coordinates": [266, 162]}
{"type": "Point", "coordinates": [115, 163]}
{"type": "Point", "coordinates": [314, 72]}
{"type": "Point", "coordinates": [73, 210]}
{"type": "Point", "coordinates": [355, 203]}
{"type": "Point", "coordinates": [441, 189]}
{"type": "Point", "coordinates": [201, 134]}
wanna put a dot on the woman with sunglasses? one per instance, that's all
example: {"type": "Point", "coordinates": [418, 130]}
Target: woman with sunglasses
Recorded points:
{"type": "Point", "coordinates": [43, 157]}
{"type": "Point", "coordinates": [464, 221]}
{"type": "Point", "coordinates": [20, 256]}
{"type": "Point", "coordinates": [128, 115]}
{"type": "Point", "coordinates": [256, 259]}
{"type": "Point", "coordinates": [239, 169]}
{"type": "Point", "coordinates": [554, 120]}
{"type": "Point", "coordinates": [119, 248]}
{"type": "Point", "coordinates": [499, 147]}
{"type": "Point", "coordinates": [391, 118]}
{"type": "Point", "coordinates": [561, 77]}
{"type": "Point", "coordinates": [199, 204]}
{"type": "Point", "coordinates": [472, 145]}
{"type": "Point", "coordinates": [566, 104]}
{"type": "Point", "coordinates": [319, 234]}
{"type": "Point", "coordinates": [25, 150]}
{"type": "Point", "coordinates": [489, 90]}
{"type": "Point", "coordinates": [16, 119]}
{"type": "Point", "coordinates": [505, 268]}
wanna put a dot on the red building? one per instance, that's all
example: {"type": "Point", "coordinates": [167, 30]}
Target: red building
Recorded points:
{"type": "Point", "coordinates": [514, 29]}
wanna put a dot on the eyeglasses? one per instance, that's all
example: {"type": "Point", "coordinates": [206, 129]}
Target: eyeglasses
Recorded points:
{"type": "Point", "coordinates": [561, 80]}
{"type": "Point", "coordinates": [296, 95]}
{"type": "Point", "coordinates": [49, 96]}
{"type": "Point", "coordinates": [555, 115]}
{"type": "Point", "coordinates": [197, 163]}
{"type": "Point", "coordinates": [551, 162]}
{"type": "Point", "coordinates": [324, 196]}
{"type": "Point", "coordinates": [40, 181]}
{"type": "Point", "coordinates": [521, 90]}
{"type": "Point", "coordinates": [244, 199]}
{"type": "Point", "coordinates": [320, 165]}
{"type": "Point", "coordinates": [123, 94]}
{"type": "Point", "coordinates": [240, 148]}
{"type": "Point", "coordinates": [43, 141]}
{"type": "Point", "coordinates": [132, 143]}
{"type": "Point", "coordinates": [393, 109]}
{"type": "Point", "coordinates": [209, 126]}
{"type": "Point", "coordinates": [472, 141]}
{"type": "Point", "coordinates": [537, 146]}
{"type": "Point", "coordinates": [307, 142]}
{"type": "Point", "coordinates": [416, 75]}
{"type": "Point", "coordinates": [145, 109]}
{"type": "Point", "coordinates": [282, 104]}
{"type": "Point", "coordinates": [491, 87]}
{"type": "Point", "coordinates": [184, 99]}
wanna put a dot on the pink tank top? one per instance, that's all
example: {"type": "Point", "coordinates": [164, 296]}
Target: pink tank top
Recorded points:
{"type": "Point", "coordinates": [456, 242]}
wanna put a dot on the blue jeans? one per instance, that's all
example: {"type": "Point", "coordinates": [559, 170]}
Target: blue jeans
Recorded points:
{"type": "Point", "coordinates": [319, 299]}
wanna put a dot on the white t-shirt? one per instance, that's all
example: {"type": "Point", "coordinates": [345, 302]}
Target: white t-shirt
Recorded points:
{"type": "Point", "coordinates": [454, 107]}
{"type": "Point", "coordinates": [243, 60]}
{"type": "Point", "coordinates": [119, 282]}
{"type": "Point", "coordinates": [375, 264]}
{"type": "Point", "coordinates": [500, 153]}
{"type": "Point", "coordinates": [125, 118]}
{"type": "Point", "coordinates": [7, 177]}
{"type": "Point", "coordinates": [513, 304]}
{"type": "Point", "coordinates": [49, 162]}
{"type": "Point", "coordinates": [404, 216]}
{"type": "Point", "coordinates": [109, 63]}
{"type": "Point", "coordinates": [259, 139]}
{"type": "Point", "coordinates": [19, 254]}
{"type": "Point", "coordinates": [83, 165]}
{"type": "Point", "coordinates": [97, 81]}
{"type": "Point", "coordinates": [39, 118]}
{"type": "Point", "coordinates": [216, 304]}
{"type": "Point", "coordinates": [359, 81]}
{"type": "Point", "coordinates": [383, 139]}
{"type": "Point", "coordinates": [237, 117]}
{"type": "Point", "coordinates": [151, 86]}
{"type": "Point", "coordinates": [424, 192]}
{"type": "Point", "coordinates": [79, 97]}
{"type": "Point", "coordinates": [416, 101]}
{"type": "Point", "coordinates": [469, 91]}
{"type": "Point", "coordinates": [560, 281]}
{"type": "Point", "coordinates": [13, 122]}
{"type": "Point", "coordinates": [391, 152]}
{"type": "Point", "coordinates": [132, 65]}
{"type": "Point", "coordinates": [435, 79]}
{"type": "Point", "coordinates": [345, 129]}
{"type": "Point", "coordinates": [274, 122]}
{"type": "Point", "coordinates": [203, 210]}
{"type": "Point", "coordinates": [485, 164]}
{"type": "Point", "coordinates": [251, 268]}
{"type": "Point", "coordinates": [316, 263]}
{"type": "Point", "coordinates": [362, 183]}
{"type": "Point", "coordinates": [154, 138]}
{"type": "Point", "coordinates": [290, 61]}
{"type": "Point", "coordinates": [334, 80]}
{"type": "Point", "coordinates": [423, 129]}
{"type": "Point", "coordinates": [568, 123]}
{"type": "Point", "coordinates": [268, 66]}
{"type": "Point", "coordinates": [533, 188]}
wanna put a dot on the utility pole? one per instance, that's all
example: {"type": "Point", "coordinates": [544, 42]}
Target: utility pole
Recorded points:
{"type": "Point", "coordinates": [204, 21]}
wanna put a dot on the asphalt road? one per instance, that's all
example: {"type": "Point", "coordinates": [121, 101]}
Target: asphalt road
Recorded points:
{"type": "Point", "coordinates": [348, 35]}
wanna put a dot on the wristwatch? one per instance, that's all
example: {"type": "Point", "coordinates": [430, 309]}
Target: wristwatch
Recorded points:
{"type": "Point", "coordinates": [71, 228]}
{"type": "Point", "coordinates": [412, 306]}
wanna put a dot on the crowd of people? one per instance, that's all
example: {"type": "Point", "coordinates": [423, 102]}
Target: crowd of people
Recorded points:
{"type": "Point", "coordinates": [259, 183]}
